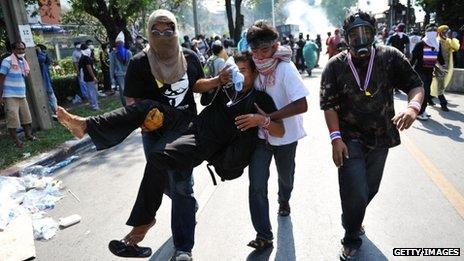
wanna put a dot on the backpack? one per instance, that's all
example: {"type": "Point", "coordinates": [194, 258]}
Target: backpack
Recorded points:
{"type": "Point", "coordinates": [208, 69]}
{"type": "Point", "coordinates": [230, 162]}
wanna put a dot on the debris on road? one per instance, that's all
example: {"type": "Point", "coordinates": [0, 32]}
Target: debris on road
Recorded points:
{"type": "Point", "coordinates": [69, 220]}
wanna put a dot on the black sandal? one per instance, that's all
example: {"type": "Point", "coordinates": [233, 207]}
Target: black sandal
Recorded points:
{"type": "Point", "coordinates": [284, 209]}
{"type": "Point", "coordinates": [260, 243]}
{"type": "Point", "coordinates": [119, 248]}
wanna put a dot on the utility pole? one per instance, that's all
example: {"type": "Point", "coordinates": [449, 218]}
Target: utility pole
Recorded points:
{"type": "Point", "coordinates": [408, 13]}
{"type": "Point", "coordinates": [195, 17]}
{"type": "Point", "coordinates": [15, 15]}
{"type": "Point", "coordinates": [273, 13]}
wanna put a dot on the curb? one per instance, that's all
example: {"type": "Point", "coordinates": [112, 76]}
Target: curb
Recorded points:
{"type": "Point", "coordinates": [51, 157]}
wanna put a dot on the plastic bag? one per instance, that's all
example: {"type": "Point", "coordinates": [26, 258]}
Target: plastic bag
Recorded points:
{"type": "Point", "coordinates": [44, 228]}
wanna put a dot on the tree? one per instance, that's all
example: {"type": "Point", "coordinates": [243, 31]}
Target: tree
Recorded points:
{"type": "Point", "coordinates": [78, 23]}
{"type": "Point", "coordinates": [235, 27]}
{"type": "Point", "coordinates": [337, 10]}
{"type": "Point", "coordinates": [448, 12]}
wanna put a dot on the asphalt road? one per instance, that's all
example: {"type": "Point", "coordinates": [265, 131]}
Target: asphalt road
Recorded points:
{"type": "Point", "coordinates": [420, 202]}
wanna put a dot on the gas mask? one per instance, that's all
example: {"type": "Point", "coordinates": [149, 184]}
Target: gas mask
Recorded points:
{"type": "Point", "coordinates": [360, 36]}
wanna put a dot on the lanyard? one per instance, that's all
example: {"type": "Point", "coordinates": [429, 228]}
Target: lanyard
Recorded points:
{"type": "Point", "coordinates": [368, 74]}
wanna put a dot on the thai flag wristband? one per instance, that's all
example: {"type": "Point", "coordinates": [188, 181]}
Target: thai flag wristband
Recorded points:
{"type": "Point", "coordinates": [335, 135]}
{"type": "Point", "coordinates": [415, 106]}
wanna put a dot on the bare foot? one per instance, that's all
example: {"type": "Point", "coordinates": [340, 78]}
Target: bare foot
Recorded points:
{"type": "Point", "coordinates": [138, 233]}
{"type": "Point", "coordinates": [75, 124]}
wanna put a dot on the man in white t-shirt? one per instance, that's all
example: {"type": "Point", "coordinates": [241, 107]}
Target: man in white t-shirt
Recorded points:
{"type": "Point", "coordinates": [279, 78]}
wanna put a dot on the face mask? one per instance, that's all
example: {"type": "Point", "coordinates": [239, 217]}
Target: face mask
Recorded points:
{"type": "Point", "coordinates": [91, 47]}
{"type": "Point", "coordinates": [360, 40]}
{"type": "Point", "coordinates": [78, 46]}
{"type": "Point", "coordinates": [107, 50]}
{"type": "Point", "coordinates": [20, 55]}
{"type": "Point", "coordinates": [400, 34]}
{"type": "Point", "coordinates": [139, 41]}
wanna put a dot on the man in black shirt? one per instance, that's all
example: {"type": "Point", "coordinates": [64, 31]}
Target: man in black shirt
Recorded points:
{"type": "Point", "coordinates": [165, 73]}
{"type": "Point", "coordinates": [299, 59]}
{"type": "Point", "coordinates": [400, 40]}
{"type": "Point", "coordinates": [87, 66]}
{"type": "Point", "coordinates": [357, 98]}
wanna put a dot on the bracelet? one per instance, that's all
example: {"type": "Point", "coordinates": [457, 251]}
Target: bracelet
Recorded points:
{"type": "Point", "coordinates": [335, 135]}
{"type": "Point", "coordinates": [415, 105]}
{"type": "Point", "coordinates": [266, 123]}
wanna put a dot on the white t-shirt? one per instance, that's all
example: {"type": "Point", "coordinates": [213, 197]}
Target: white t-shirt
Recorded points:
{"type": "Point", "coordinates": [288, 88]}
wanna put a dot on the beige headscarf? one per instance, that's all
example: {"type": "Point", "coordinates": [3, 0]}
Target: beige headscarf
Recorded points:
{"type": "Point", "coordinates": [167, 62]}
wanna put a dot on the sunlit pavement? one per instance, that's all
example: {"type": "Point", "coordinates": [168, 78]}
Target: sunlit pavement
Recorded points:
{"type": "Point", "coordinates": [420, 202]}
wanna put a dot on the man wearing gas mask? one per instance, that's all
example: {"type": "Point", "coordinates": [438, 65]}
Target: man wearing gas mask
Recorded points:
{"type": "Point", "coordinates": [357, 98]}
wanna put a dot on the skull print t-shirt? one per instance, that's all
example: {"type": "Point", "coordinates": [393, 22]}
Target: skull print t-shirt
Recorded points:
{"type": "Point", "coordinates": [141, 84]}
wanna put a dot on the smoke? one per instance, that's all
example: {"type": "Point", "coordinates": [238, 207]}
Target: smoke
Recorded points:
{"type": "Point", "coordinates": [311, 19]}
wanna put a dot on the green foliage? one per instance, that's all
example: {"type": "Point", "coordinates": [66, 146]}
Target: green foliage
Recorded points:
{"type": "Point", "coordinates": [64, 67]}
{"type": "Point", "coordinates": [65, 86]}
{"type": "Point", "coordinates": [82, 23]}
{"type": "Point", "coordinates": [337, 10]}
{"type": "Point", "coordinates": [447, 11]}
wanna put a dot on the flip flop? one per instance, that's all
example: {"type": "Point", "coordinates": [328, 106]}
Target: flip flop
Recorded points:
{"type": "Point", "coordinates": [119, 248]}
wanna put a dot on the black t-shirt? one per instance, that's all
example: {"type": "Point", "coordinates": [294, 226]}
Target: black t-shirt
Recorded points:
{"type": "Point", "coordinates": [362, 117]}
{"type": "Point", "coordinates": [140, 83]}
{"type": "Point", "coordinates": [210, 136]}
{"type": "Point", "coordinates": [83, 62]}
{"type": "Point", "coordinates": [399, 43]}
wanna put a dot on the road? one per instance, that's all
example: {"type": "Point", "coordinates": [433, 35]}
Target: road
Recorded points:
{"type": "Point", "coordinates": [420, 202]}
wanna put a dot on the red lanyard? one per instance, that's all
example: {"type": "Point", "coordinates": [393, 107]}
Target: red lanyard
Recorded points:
{"type": "Point", "coordinates": [368, 74]}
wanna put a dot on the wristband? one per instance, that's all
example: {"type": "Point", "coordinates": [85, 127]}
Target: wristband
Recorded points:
{"type": "Point", "coordinates": [265, 124]}
{"type": "Point", "coordinates": [415, 106]}
{"type": "Point", "coordinates": [335, 135]}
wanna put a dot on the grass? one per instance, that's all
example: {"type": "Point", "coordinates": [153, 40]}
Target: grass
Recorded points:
{"type": "Point", "coordinates": [49, 139]}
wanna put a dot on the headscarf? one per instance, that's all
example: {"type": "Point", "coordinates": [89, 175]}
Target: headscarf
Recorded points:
{"type": "Point", "coordinates": [121, 51]}
{"type": "Point", "coordinates": [167, 62]}
{"type": "Point", "coordinates": [267, 66]}
{"type": "Point", "coordinates": [441, 29]}
{"type": "Point", "coordinates": [430, 39]}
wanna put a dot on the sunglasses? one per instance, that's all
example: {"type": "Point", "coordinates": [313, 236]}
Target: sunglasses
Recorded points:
{"type": "Point", "coordinates": [165, 33]}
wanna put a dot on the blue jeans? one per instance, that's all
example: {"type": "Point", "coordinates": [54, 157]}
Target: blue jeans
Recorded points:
{"type": "Point", "coordinates": [119, 80]}
{"type": "Point", "coordinates": [180, 190]}
{"type": "Point", "coordinates": [259, 175]}
{"type": "Point", "coordinates": [92, 91]}
{"type": "Point", "coordinates": [359, 179]}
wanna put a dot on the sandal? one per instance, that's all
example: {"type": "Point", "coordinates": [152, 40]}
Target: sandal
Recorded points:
{"type": "Point", "coordinates": [284, 209]}
{"type": "Point", "coordinates": [260, 243]}
{"type": "Point", "coordinates": [32, 138]}
{"type": "Point", "coordinates": [119, 248]}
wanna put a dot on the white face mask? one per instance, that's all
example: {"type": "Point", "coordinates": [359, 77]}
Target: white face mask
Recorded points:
{"type": "Point", "coordinates": [400, 34]}
{"type": "Point", "coordinates": [87, 52]}
{"type": "Point", "coordinates": [78, 46]}
{"type": "Point", "coordinates": [91, 47]}
{"type": "Point", "coordinates": [21, 55]}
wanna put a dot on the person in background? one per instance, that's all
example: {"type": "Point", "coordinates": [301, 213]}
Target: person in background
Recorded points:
{"type": "Point", "coordinates": [399, 39]}
{"type": "Point", "coordinates": [216, 61]}
{"type": "Point", "coordinates": [414, 38]}
{"type": "Point", "coordinates": [443, 74]}
{"type": "Point", "coordinates": [203, 46]}
{"type": "Point", "coordinates": [45, 62]}
{"type": "Point", "coordinates": [13, 72]}
{"type": "Point", "coordinates": [333, 43]}
{"type": "Point", "coordinates": [87, 66]}
{"type": "Point", "coordinates": [187, 43]}
{"type": "Point", "coordinates": [89, 44]}
{"type": "Point", "coordinates": [425, 55]}
{"type": "Point", "coordinates": [119, 60]}
{"type": "Point", "coordinates": [242, 45]}
{"type": "Point", "coordinates": [76, 56]}
{"type": "Point", "coordinates": [310, 55]}
{"type": "Point", "coordinates": [319, 48]}
{"type": "Point", "coordinates": [139, 44]}
{"type": "Point", "coordinates": [195, 49]}
{"type": "Point", "coordinates": [299, 62]}
{"type": "Point", "coordinates": [105, 67]}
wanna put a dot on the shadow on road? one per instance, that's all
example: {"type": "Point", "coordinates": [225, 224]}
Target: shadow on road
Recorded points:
{"type": "Point", "coordinates": [165, 252]}
{"type": "Point", "coordinates": [260, 255]}
{"type": "Point", "coordinates": [369, 251]}
{"type": "Point", "coordinates": [447, 130]}
{"type": "Point", "coordinates": [285, 240]}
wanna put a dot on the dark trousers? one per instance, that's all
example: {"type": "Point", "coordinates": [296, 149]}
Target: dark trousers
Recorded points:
{"type": "Point", "coordinates": [163, 172]}
{"type": "Point", "coordinates": [300, 63]}
{"type": "Point", "coordinates": [106, 80]}
{"type": "Point", "coordinates": [359, 179]}
{"type": "Point", "coordinates": [426, 77]}
{"type": "Point", "coordinates": [259, 175]}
